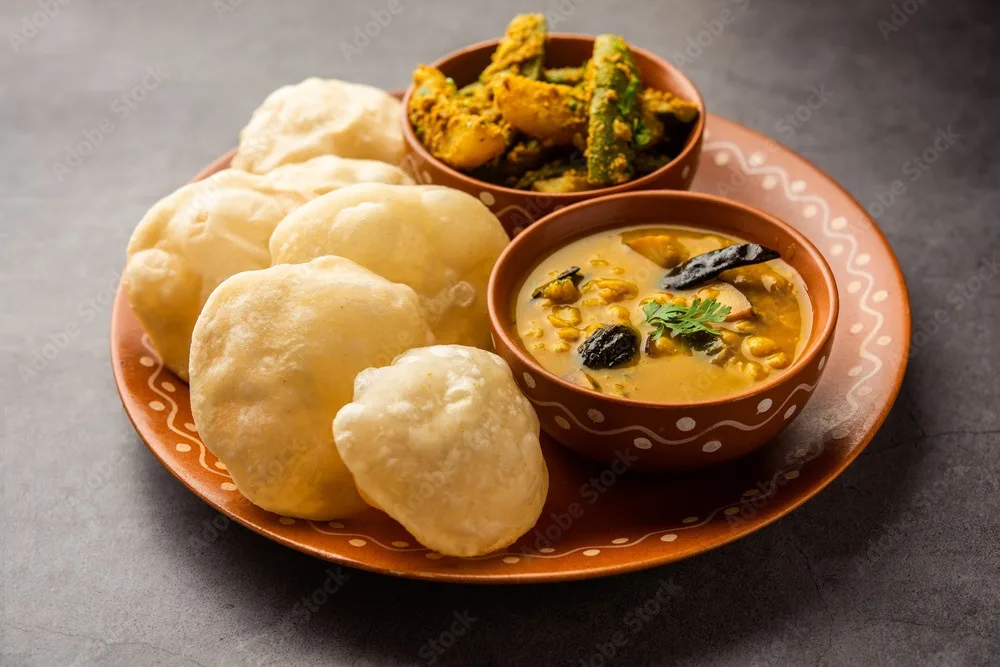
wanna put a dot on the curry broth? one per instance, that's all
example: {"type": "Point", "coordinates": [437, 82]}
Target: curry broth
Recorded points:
{"type": "Point", "coordinates": [617, 281]}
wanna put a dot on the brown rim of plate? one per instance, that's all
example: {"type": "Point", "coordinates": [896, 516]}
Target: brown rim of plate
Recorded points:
{"type": "Point", "coordinates": [816, 476]}
{"type": "Point", "coordinates": [634, 184]}
{"type": "Point", "coordinates": [816, 339]}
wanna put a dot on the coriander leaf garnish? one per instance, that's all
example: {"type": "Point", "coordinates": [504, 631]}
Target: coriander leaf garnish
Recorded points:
{"type": "Point", "coordinates": [685, 320]}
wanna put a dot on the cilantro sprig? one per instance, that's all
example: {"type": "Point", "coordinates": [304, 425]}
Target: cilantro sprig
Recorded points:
{"type": "Point", "coordinates": [685, 320]}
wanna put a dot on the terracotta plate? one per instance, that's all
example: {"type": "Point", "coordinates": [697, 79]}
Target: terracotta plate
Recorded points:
{"type": "Point", "coordinates": [601, 521]}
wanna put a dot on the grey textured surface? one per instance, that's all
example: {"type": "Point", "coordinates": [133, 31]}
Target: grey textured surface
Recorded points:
{"type": "Point", "coordinates": [896, 563]}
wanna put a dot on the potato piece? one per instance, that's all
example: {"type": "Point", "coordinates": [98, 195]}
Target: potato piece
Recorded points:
{"type": "Point", "coordinates": [571, 181]}
{"type": "Point", "coordinates": [445, 443]}
{"type": "Point", "coordinates": [449, 126]}
{"type": "Point", "coordinates": [546, 111]}
{"type": "Point", "coordinates": [439, 241]}
{"type": "Point", "coordinates": [728, 295]}
{"type": "Point", "coordinates": [321, 117]}
{"type": "Point", "coordinates": [661, 249]}
{"type": "Point", "coordinates": [274, 357]}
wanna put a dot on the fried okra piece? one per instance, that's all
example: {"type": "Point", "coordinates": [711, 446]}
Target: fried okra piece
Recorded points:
{"type": "Point", "coordinates": [522, 49]}
{"type": "Point", "coordinates": [567, 76]}
{"type": "Point", "coordinates": [447, 128]}
{"type": "Point", "coordinates": [661, 103]}
{"type": "Point", "coordinates": [614, 112]}
{"type": "Point", "coordinates": [546, 111]}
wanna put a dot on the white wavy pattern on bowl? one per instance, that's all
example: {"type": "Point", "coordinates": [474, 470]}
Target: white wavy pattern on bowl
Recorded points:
{"type": "Point", "coordinates": [832, 228]}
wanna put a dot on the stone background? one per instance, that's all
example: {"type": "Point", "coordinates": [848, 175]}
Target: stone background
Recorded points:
{"type": "Point", "coordinates": [113, 579]}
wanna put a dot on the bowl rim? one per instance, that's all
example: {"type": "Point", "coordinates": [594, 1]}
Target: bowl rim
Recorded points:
{"type": "Point", "coordinates": [817, 342]}
{"type": "Point", "coordinates": [692, 144]}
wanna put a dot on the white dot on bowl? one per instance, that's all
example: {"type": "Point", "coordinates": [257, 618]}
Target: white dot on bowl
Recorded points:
{"type": "Point", "coordinates": [840, 432]}
{"type": "Point", "coordinates": [487, 198]}
{"type": "Point", "coordinates": [357, 543]}
{"type": "Point", "coordinates": [721, 158]}
{"type": "Point", "coordinates": [335, 524]}
{"type": "Point", "coordinates": [790, 411]}
{"type": "Point", "coordinates": [147, 362]}
{"type": "Point", "coordinates": [642, 443]}
{"type": "Point", "coordinates": [880, 296]}
{"type": "Point", "coordinates": [595, 415]}
{"type": "Point", "coordinates": [857, 327]}
{"type": "Point", "coordinates": [854, 371]}
{"type": "Point", "coordinates": [169, 387]}
{"type": "Point", "coordinates": [183, 447]}
{"type": "Point", "coordinates": [797, 186]}
{"type": "Point", "coordinates": [690, 519]}
{"type": "Point", "coordinates": [591, 552]}
{"type": "Point", "coordinates": [731, 511]}
{"type": "Point", "coordinates": [862, 259]}
{"type": "Point", "coordinates": [433, 555]}
{"type": "Point", "coordinates": [286, 520]}
{"type": "Point", "coordinates": [669, 537]}
{"type": "Point", "coordinates": [756, 159]}
{"type": "Point", "coordinates": [619, 540]}
{"type": "Point", "coordinates": [510, 560]}
{"type": "Point", "coordinates": [810, 211]}
{"type": "Point", "coordinates": [884, 340]}
{"type": "Point", "coordinates": [822, 363]}
{"type": "Point", "coordinates": [685, 171]}
{"type": "Point", "coordinates": [764, 405]}
{"type": "Point", "coordinates": [864, 391]}
{"type": "Point", "coordinates": [791, 474]}
{"type": "Point", "coordinates": [837, 250]}
{"type": "Point", "coordinates": [399, 544]}
{"type": "Point", "coordinates": [686, 424]}
{"type": "Point", "coordinates": [156, 405]}
{"type": "Point", "coordinates": [562, 422]}
{"type": "Point", "coordinates": [228, 486]}
{"type": "Point", "coordinates": [708, 133]}
{"type": "Point", "coordinates": [711, 446]}
{"type": "Point", "coordinates": [838, 223]}
{"type": "Point", "coordinates": [854, 287]}
{"type": "Point", "coordinates": [528, 380]}
{"type": "Point", "coordinates": [546, 550]}
{"type": "Point", "coordinates": [768, 182]}
{"type": "Point", "coordinates": [220, 465]}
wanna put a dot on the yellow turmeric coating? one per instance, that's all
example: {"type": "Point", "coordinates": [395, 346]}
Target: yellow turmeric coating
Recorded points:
{"type": "Point", "coordinates": [522, 48]}
{"type": "Point", "coordinates": [445, 126]}
{"type": "Point", "coordinates": [546, 111]}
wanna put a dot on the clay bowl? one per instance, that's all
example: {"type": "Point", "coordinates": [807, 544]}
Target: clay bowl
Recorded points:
{"type": "Point", "coordinates": [664, 436]}
{"type": "Point", "coordinates": [517, 208]}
